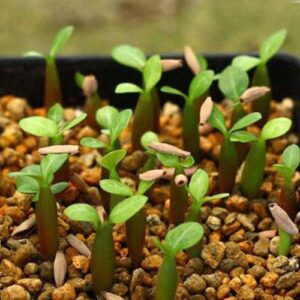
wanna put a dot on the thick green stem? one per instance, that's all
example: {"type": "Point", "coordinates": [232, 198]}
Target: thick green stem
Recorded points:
{"type": "Point", "coordinates": [253, 170]}
{"type": "Point", "coordinates": [228, 165]}
{"type": "Point", "coordinates": [285, 241]}
{"type": "Point", "coordinates": [135, 237]}
{"type": "Point", "coordinates": [52, 84]}
{"type": "Point", "coordinates": [288, 200]}
{"type": "Point", "coordinates": [237, 113]}
{"type": "Point", "coordinates": [57, 140]}
{"type": "Point", "coordinates": [91, 105]}
{"type": "Point", "coordinates": [103, 259]}
{"type": "Point", "coordinates": [167, 279]}
{"type": "Point", "coordinates": [156, 109]}
{"type": "Point", "coordinates": [190, 130]}
{"type": "Point", "coordinates": [47, 224]}
{"type": "Point", "coordinates": [262, 105]}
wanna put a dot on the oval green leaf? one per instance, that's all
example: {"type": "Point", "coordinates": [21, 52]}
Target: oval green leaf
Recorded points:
{"type": "Point", "coordinates": [217, 120]}
{"type": "Point", "coordinates": [119, 124]}
{"type": "Point", "coordinates": [245, 62]}
{"type": "Point", "coordinates": [276, 128]}
{"type": "Point", "coordinates": [291, 157]}
{"type": "Point", "coordinates": [127, 87]}
{"type": "Point", "coordinates": [147, 138]}
{"type": "Point", "coordinates": [60, 39]}
{"type": "Point", "coordinates": [243, 136]}
{"type": "Point", "coordinates": [74, 122]}
{"type": "Point", "coordinates": [152, 72]}
{"type": "Point", "coordinates": [246, 121]}
{"type": "Point", "coordinates": [92, 143]}
{"type": "Point", "coordinates": [199, 184]}
{"type": "Point", "coordinates": [56, 113]}
{"type": "Point", "coordinates": [115, 187]}
{"type": "Point", "coordinates": [111, 160]}
{"type": "Point", "coordinates": [106, 116]}
{"type": "Point", "coordinates": [173, 91]}
{"type": "Point", "coordinates": [39, 126]}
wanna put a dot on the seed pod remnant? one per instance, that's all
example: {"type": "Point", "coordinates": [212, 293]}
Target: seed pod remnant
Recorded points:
{"type": "Point", "coordinates": [24, 226]}
{"type": "Point", "coordinates": [78, 245]}
{"type": "Point", "coordinates": [254, 93]}
{"type": "Point", "coordinates": [152, 175]}
{"type": "Point", "coordinates": [89, 85]}
{"type": "Point", "coordinates": [191, 60]}
{"type": "Point", "coordinates": [171, 64]}
{"type": "Point", "coordinates": [60, 268]}
{"type": "Point", "coordinates": [168, 149]}
{"type": "Point", "coordinates": [59, 149]}
{"type": "Point", "coordinates": [181, 180]}
{"type": "Point", "coordinates": [206, 110]}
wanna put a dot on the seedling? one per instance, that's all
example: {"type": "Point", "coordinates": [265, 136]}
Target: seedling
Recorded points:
{"type": "Point", "coordinates": [103, 252]}
{"type": "Point", "coordinates": [52, 83]}
{"type": "Point", "coordinates": [182, 237]}
{"type": "Point", "coordinates": [288, 198]}
{"type": "Point", "coordinates": [53, 126]}
{"type": "Point", "coordinates": [229, 161]}
{"type": "Point", "coordinates": [36, 180]}
{"type": "Point", "coordinates": [173, 157]}
{"type": "Point", "coordinates": [198, 87]}
{"type": "Point", "coordinates": [147, 138]}
{"type": "Point", "coordinates": [136, 225]}
{"type": "Point", "coordinates": [146, 117]}
{"type": "Point", "coordinates": [93, 102]}
{"type": "Point", "coordinates": [113, 124]}
{"type": "Point", "coordinates": [267, 50]}
{"type": "Point", "coordinates": [254, 166]}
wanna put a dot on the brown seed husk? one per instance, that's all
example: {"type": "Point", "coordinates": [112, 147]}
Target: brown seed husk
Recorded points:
{"type": "Point", "coordinates": [77, 180]}
{"type": "Point", "coordinates": [60, 268]}
{"type": "Point", "coordinates": [254, 93]}
{"type": "Point", "coordinates": [101, 213]}
{"type": "Point", "coordinates": [152, 174]}
{"type": "Point", "coordinates": [110, 296]}
{"type": "Point", "coordinates": [188, 172]}
{"type": "Point", "coordinates": [59, 149]}
{"type": "Point", "coordinates": [24, 226]}
{"type": "Point", "coordinates": [180, 180]}
{"type": "Point", "coordinates": [191, 60]}
{"type": "Point", "coordinates": [282, 219]}
{"type": "Point", "coordinates": [89, 85]}
{"type": "Point", "coordinates": [171, 64]}
{"type": "Point", "coordinates": [206, 110]}
{"type": "Point", "coordinates": [78, 245]}
{"type": "Point", "coordinates": [168, 149]}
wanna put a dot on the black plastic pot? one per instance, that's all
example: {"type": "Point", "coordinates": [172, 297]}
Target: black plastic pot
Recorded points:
{"type": "Point", "coordinates": [24, 77]}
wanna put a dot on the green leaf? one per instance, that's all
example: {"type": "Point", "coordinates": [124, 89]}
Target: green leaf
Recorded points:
{"type": "Point", "coordinates": [168, 160]}
{"type": "Point", "coordinates": [147, 138]}
{"type": "Point", "coordinates": [285, 171]}
{"type": "Point", "coordinates": [200, 84]}
{"type": "Point", "coordinates": [291, 157]}
{"type": "Point", "coordinates": [84, 213]}
{"type": "Point", "coordinates": [217, 196]}
{"type": "Point", "coordinates": [58, 187]}
{"type": "Point", "coordinates": [52, 163]}
{"type": "Point", "coordinates": [246, 121]}
{"type": "Point", "coordinates": [56, 113]}
{"type": "Point", "coordinates": [170, 90]}
{"type": "Point", "coordinates": [152, 72]}
{"type": "Point", "coordinates": [129, 56]}
{"type": "Point", "coordinates": [106, 115]}
{"type": "Point", "coordinates": [276, 128]}
{"type": "Point", "coordinates": [60, 39]}
{"type": "Point", "coordinates": [127, 87]}
{"type": "Point", "coordinates": [119, 124]}
{"type": "Point", "coordinates": [31, 170]}
{"type": "Point", "coordinates": [127, 208]}
{"type": "Point", "coordinates": [233, 82]}
{"type": "Point", "coordinates": [111, 160]}
{"type": "Point", "coordinates": [39, 126]}
{"type": "Point", "coordinates": [74, 122]}
{"type": "Point", "coordinates": [243, 136]}
{"type": "Point", "coordinates": [202, 62]}
{"type": "Point", "coordinates": [27, 185]}
{"type": "Point", "coordinates": [115, 187]}
{"type": "Point", "coordinates": [184, 236]}
{"type": "Point", "coordinates": [92, 143]}
{"type": "Point", "coordinates": [144, 186]}
{"type": "Point", "coordinates": [272, 45]}
{"type": "Point", "coordinates": [79, 77]}
{"type": "Point", "coordinates": [34, 54]}
{"type": "Point", "coordinates": [217, 120]}
{"type": "Point", "coordinates": [188, 161]}
{"type": "Point", "coordinates": [245, 62]}
{"type": "Point", "coordinates": [199, 184]}
{"type": "Point", "coordinates": [36, 197]}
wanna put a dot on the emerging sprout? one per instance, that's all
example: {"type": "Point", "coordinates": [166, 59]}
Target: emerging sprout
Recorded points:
{"type": "Point", "coordinates": [147, 138]}
{"type": "Point", "coordinates": [254, 166]}
{"type": "Point", "coordinates": [261, 76]}
{"type": "Point", "coordinates": [198, 87]}
{"type": "Point", "coordinates": [53, 126]}
{"type": "Point", "coordinates": [52, 84]}
{"type": "Point", "coordinates": [36, 180]}
{"type": "Point", "coordinates": [228, 161]}
{"type": "Point", "coordinates": [146, 117]}
{"type": "Point", "coordinates": [288, 199]}
{"type": "Point", "coordinates": [182, 237]}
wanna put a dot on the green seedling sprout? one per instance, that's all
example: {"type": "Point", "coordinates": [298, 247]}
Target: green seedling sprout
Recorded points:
{"type": "Point", "coordinates": [261, 76]}
{"type": "Point", "coordinates": [113, 123]}
{"type": "Point", "coordinates": [198, 87]}
{"type": "Point", "coordinates": [53, 126]}
{"type": "Point", "coordinates": [288, 198]}
{"type": "Point", "coordinates": [93, 102]}
{"type": "Point", "coordinates": [182, 237]}
{"type": "Point", "coordinates": [52, 83]}
{"type": "Point", "coordinates": [173, 157]}
{"type": "Point", "coordinates": [253, 170]}
{"type": "Point", "coordinates": [147, 112]}
{"type": "Point", "coordinates": [147, 138]}
{"type": "Point", "coordinates": [36, 180]}
{"type": "Point", "coordinates": [136, 225]}
{"type": "Point", "coordinates": [103, 252]}
{"type": "Point", "coordinates": [229, 161]}
{"type": "Point", "coordinates": [198, 188]}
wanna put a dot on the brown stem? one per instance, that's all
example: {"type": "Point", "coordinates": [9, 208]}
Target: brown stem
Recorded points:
{"type": "Point", "coordinates": [288, 200]}
{"type": "Point", "coordinates": [92, 104]}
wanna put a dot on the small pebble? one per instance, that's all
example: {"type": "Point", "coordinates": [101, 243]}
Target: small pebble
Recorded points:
{"type": "Point", "coordinates": [195, 284]}
{"type": "Point", "coordinates": [66, 292]}
{"type": "Point", "coordinates": [14, 292]}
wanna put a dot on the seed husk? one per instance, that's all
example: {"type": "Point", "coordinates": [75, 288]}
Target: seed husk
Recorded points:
{"type": "Point", "coordinates": [188, 172]}
{"type": "Point", "coordinates": [110, 296]}
{"type": "Point", "coordinates": [60, 268]}
{"type": "Point", "coordinates": [180, 180]}
{"type": "Point", "coordinates": [206, 110]}
{"type": "Point", "coordinates": [78, 245]}
{"type": "Point", "coordinates": [282, 219]}
{"type": "Point", "coordinates": [77, 180]}
{"type": "Point", "coordinates": [101, 213]}
{"type": "Point", "coordinates": [168, 149]}
{"type": "Point", "coordinates": [152, 174]}
{"type": "Point", "coordinates": [191, 60]}
{"type": "Point", "coordinates": [89, 85]}
{"type": "Point", "coordinates": [59, 149]}
{"type": "Point", "coordinates": [24, 226]}
{"type": "Point", "coordinates": [171, 64]}
{"type": "Point", "coordinates": [254, 93]}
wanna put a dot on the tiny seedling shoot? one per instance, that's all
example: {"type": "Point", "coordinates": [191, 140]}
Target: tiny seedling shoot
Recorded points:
{"type": "Point", "coordinates": [112, 123]}
{"type": "Point", "coordinates": [228, 160]}
{"type": "Point", "coordinates": [52, 83]}
{"type": "Point", "coordinates": [146, 116]}
{"type": "Point", "coordinates": [261, 76]}
{"type": "Point", "coordinates": [254, 166]}
{"type": "Point", "coordinates": [182, 237]}
{"type": "Point", "coordinates": [147, 138]}
{"type": "Point", "coordinates": [93, 102]}
{"type": "Point", "coordinates": [198, 87]}
{"type": "Point", "coordinates": [288, 198]}
{"type": "Point", "coordinates": [53, 126]}
{"type": "Point", "coordinates": [36, 180]}
{"type": "Point", "coordinates": [136, 225]}
{"type": "Point", "coordinates": [103, 252]}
